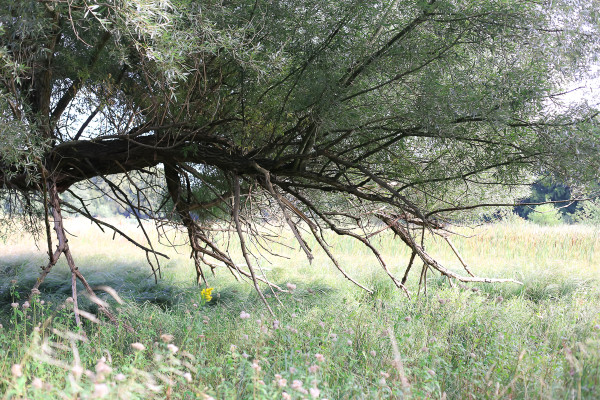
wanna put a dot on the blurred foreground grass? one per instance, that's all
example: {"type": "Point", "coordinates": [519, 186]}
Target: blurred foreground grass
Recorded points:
{"type": "Point", "coordinates": [328, 338]}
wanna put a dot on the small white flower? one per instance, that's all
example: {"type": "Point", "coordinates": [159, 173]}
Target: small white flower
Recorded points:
{"type": "Point", "coordinates": [187, 376]}
{"type": "Point", "coordinates": [17, 370]}
{"type": "Point", "coordinates": [314, 392]}
{"type": "Point", "coordinates": [291, 286]}
{"type": "Point", "coordinates": [138, 346]}
{"type": "Point", "coordinates": [166, 338]}
{"type": "Point", "coordinates": [297, 384]}
{"type": "Point", "coordinates": [244, 315]}
{"type": "Point", "coordinates": [172, 348]}
{"type": "Point", "coordinates": [101, 390]}
{"type": "Point", "coordinates": [37, 383]}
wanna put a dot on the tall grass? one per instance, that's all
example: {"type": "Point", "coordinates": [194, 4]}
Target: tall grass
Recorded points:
{"type": "Point", "coordinates": [539, 340]}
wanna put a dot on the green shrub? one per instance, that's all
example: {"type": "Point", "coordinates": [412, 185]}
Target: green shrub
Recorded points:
{"type": "Point", "coordinates": [588, 212]}
{"type": "Point", "coordinates": [546, 215]}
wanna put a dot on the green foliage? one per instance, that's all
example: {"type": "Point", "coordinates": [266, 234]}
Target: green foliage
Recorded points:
{"type": "Point", "coordinates": [546, 215]}
{"type": "Point", "coordinates": [588, 212]}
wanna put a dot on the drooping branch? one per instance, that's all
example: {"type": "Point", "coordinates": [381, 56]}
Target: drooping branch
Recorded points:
{"type": "Point", "coordinates": [396, 226]}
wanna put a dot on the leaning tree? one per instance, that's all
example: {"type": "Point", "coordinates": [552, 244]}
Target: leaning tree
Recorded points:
{"type": "Point", "coordinates": [327, 114]}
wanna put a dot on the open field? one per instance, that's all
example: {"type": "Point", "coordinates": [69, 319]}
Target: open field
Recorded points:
{"type": "Point", "coordinates": [539, 340]}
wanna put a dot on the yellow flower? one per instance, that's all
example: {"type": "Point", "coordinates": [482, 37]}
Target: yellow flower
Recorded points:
{"type": "Point", "coordinates": [206, 294]}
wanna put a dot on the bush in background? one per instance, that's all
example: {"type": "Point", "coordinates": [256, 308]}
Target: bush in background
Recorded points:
{"type": "Point", "coordinates": [546, 215]}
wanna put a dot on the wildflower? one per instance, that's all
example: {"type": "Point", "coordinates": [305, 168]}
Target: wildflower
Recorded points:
{"type": "Point", "coordinates": [245, 355]}
{"type": "Point", "coordinates": [281, 382]}
{"type": "Point", "coordinates": [102, 368]}
{"type": "Point", "coordinates": [69, 299]}
{"type": "Point", "coordinates": [596, 327]}
{"type": "Point", "coordinates": [349, 342]}
{"type": "Point", "coordinates": [292, 370]}
{"type": "Point", "coordinates": [255, 366]}
{"type": "Point", "coordinates": [206, 294]}
{"type": "Point", "coordinates": [297, 384]}
{"type": "Point", "coordinates": [245, 336]}
{"type": "Point", "coordinates": [313, 369]}
{"type": "Point", "coordinates": [408, 318]}
{"type": "Point", "coordinates": [291, 286]}
{"type": "Point", "coordinates": [431, 372]}
{"type": "Point", "coordinates": [166, 338]}
{"type": "Point", "coordinates": [195, 305]}
{"type": "Point", "coordinates": [101, 390]}
{"type": "Point", "coordinates": [294, 315]}
{"type": "Point", "coordinates": [314, 392]}
{"type": "Point", "coordinates": [382, 382]}
{"type": "Point", "coordinates": [261, 382]}
{"type": "Point", "coordinates": [37, 383]}
{"type": "Point", "coordinates": [319, 357]}
{"type": "Point", "coordinates": [35, 292]}
{"type": "Point", "coordinates": [119, 377]}
{"type": "Point", "coordinates": [373, 353]}
{"type": "Point", "coordinates": [77, 370]}
{"type": "Point", "coordinates": [499, 299]}
{"type": "Point", "coordinates": [17, 370]}
{"type": "Point", "coordinates": [244, 315]}
{"type": "Point", "coordinates": [276, 324]}
{"type": "Point", "coordinates": [172, 348]}
{"type": "Point", "coordinates": [384, 374]}
{"type": "Point", "coordinates": [286, 396]}
{"type": "Point", "coordinates": [333, 337]}
{"type": "Point", "coordinates": [187, 376]}
{"type": "Point", "coordinates": [42, 302]}
{"type": "Point", "coordinates": [232, 348]}
{"type": "Point", "coordinates": [322, 324]}
{"type": "Point", "coordinates": [138, 346]}
{"type": "Point", "coordinates": [14, 305]}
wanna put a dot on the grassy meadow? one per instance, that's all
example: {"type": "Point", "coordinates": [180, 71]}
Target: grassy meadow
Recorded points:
{"type": "Point", "coordinates": [328, 339]}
